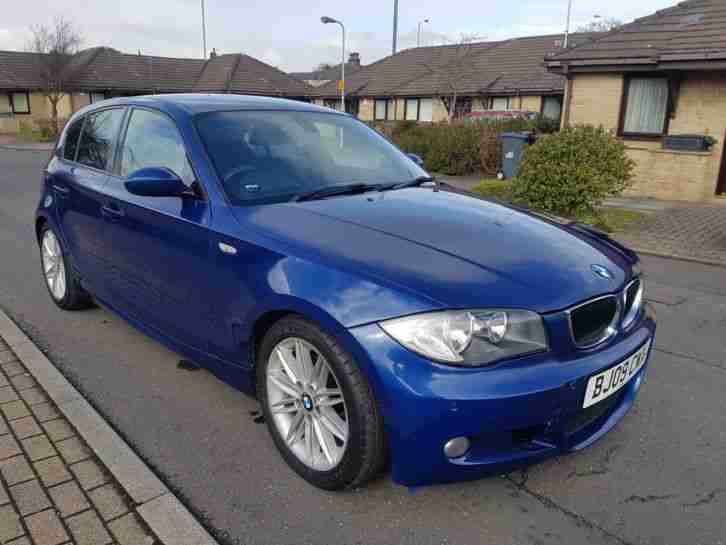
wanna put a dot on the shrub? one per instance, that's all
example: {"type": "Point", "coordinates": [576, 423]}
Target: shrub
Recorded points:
{"type": "Point", "coordinates": [571, 172]}
{"type": "Point", "coordinates": [460, 147]}
{"type": "Point", "coordinates": [496, 189]}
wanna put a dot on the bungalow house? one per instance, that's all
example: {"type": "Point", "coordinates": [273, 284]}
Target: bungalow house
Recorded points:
{"type": "Point", "coordinates": [102, 72]}
{"type": "Point", "coordinates": [419, 84]}
{"type": "Point", "coordinates": [662, 75]}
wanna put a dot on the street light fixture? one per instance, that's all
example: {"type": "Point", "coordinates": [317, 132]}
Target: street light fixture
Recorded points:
{"type": "Point", "coordinates": [418, 34]}
{"type": "Point", "coordinates": [327, 20]}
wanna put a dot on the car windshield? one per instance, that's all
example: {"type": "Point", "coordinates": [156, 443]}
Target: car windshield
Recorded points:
{"type": "Point", "coordinates": [275, 156]}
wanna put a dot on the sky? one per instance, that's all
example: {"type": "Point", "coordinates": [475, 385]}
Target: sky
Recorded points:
{"type": "Point", "coordinates": [288, 33]}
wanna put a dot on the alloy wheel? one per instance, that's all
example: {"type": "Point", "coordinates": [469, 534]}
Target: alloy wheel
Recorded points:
{"type": "Point", "coordinates": [54, 268]}
{"type": "Point", "coordinates": [307, 404]}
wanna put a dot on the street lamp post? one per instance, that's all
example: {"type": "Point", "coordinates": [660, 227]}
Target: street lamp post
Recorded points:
{"type": "Point", "coordinates": [418, 34]}
{"type": "Point", "coordinates": [567, 28]}
{"type": "Point", "coordinates": [327, 20]}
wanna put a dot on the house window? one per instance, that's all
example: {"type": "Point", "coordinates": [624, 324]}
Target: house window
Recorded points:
{"type": "Point", "coordinates": [426, 109]}
{"type": "Point", "coordinates": [384, 109]}
{"type": "Point", "coordinates": [20, 103]}
{"type": "Point", "coordinates": [96, 97]}
{"type": "Point", "coordinates": [552, 107]}
{"type": "Point", "coordinates": [463, 106]}
{"type": "Point", "coordinates": [411, 111]}
{"type": "Point", "coordinates": [501, 103]}
{"type": "Point", "coordinates": [646, 106]}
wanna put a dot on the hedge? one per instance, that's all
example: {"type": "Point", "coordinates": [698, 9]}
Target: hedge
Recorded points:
{"type": "Point", "coordinates": [460, 147]}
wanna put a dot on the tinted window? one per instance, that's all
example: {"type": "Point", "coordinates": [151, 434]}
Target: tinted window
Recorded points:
{"type": "Point", "coordinates": [98, 137]}
{"type": "Point", "coordinates": [152, 140]}
{"type": "Point", "coordinates": [71, 142]}
{"type": "Point", "coordinates": [271, 156]}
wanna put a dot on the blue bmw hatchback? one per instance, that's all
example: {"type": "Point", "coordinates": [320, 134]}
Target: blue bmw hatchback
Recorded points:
{"type": "Point", "coordinates": [375, 313]}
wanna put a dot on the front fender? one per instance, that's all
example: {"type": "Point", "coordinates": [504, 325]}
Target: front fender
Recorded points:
{"type": "Point", "coordinates": [334, 298]}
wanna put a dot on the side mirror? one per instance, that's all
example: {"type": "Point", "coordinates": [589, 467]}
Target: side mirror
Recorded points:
{"type": "Point", "coordinates": [155, 182]}
{"type": "Point", "coordinates": [416, 159]}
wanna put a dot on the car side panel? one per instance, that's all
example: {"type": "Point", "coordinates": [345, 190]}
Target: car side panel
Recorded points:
{"type": "Point", "coordinates": [160, 273]}
{"type": "Point", "coordinates": [78, 196]}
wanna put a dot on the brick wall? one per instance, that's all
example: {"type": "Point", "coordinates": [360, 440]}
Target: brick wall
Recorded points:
{"type": "Point", "coordinates": [531, 103]}
{"type": "Point", "coordinates": [662, 174]}
{"type": "Point", "coordinates": [596, 99]}
{"type": "Point", "coordinates": [439, 110]}
{"type": "Point", "coordinates": [365, 109]}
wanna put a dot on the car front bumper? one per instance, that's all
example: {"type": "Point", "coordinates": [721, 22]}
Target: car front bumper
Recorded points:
{"type": "Point", "coordinates": [514, 413]}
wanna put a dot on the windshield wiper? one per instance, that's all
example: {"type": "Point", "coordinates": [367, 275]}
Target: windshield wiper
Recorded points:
{"type": "Point", "coordinates": [411, 183]}
{"type": "Point", "coordinates": [334, 190]}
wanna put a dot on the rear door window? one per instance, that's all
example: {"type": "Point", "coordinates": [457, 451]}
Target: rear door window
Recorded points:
{"type": "Point", "coordinates": [99, 137]}
{"type": "Point", "coordinates": [71, 143]}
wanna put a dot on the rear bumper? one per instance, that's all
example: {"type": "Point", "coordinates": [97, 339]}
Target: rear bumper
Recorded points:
{"type": "Point", "coordinates": [514, 414]}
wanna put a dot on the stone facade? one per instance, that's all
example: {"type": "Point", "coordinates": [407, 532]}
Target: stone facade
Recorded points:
{"type": "Point", "coordinates": [663, 174]}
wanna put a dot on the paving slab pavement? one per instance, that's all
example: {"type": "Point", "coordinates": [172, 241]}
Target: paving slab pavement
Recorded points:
{"type": "Point", "coordinates": [691, 231]}
{"type": "Point", "coordinates": [66, 477]}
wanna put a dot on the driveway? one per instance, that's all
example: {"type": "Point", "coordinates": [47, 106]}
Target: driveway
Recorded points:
{"type": "Point", "coordinates": [658, 478]}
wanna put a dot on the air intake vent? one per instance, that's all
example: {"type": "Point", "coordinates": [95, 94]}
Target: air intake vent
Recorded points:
{"type": "Point", "coordinates": [593, 322]}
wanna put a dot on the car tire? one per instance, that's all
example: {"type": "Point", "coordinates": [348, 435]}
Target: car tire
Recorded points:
{"type": "Point", "coordinates": [64, 287]}
{"type": "Point", "coordinates": [364, 453]}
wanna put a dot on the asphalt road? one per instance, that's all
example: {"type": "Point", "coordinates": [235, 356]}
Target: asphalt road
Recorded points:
{"type": "Point", "coordinates": [658, 478]}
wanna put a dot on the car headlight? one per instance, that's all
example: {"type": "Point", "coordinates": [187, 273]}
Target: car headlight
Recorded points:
{"type": "Point", "coordinates": [470, 337]}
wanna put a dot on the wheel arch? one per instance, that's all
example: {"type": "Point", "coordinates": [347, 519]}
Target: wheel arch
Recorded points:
{"type": "Point", "coordinates": [40, 221]}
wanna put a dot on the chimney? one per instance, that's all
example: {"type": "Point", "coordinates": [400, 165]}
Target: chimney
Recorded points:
{"type": "Point", "coordinates": [213, 53]}
{"type": "Point", "coordinates": [354, 59]}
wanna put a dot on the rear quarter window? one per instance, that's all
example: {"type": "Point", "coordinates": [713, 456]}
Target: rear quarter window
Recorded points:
{"type": "Point", "coordinates": [71, 140]}
{"type": "Point", "coordinates": [98, 138]}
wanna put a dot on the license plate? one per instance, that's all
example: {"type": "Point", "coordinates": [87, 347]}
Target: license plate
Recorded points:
{"type": "Point", "coordinates": [605, 384]}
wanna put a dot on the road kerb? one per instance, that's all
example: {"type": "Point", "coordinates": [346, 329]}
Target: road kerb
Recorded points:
{"type": "Point", "coordinates": [165, 515]}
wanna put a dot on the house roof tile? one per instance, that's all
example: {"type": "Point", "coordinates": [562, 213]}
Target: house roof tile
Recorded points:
{"type": "Point", "coordinates": [504, 67]}
{"type": "Point", "coordinates": [694, 30]}
{"type": "Point", "coordinates": [106, 69]}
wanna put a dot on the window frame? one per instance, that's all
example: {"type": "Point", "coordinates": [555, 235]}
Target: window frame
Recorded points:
{"type": "Point", "coordinates": [405, 108]}
{"type": "Point", "coordinates": [544, 98]}
{"type": "Point", "coordinates": [508, 98]}
{"type": "Point", "coordinates": [624, 108]}
{"type": "Point", "coordinates": [11, 96]}
{"type": "Point", "coordinates": [386, 117]}
{"type": "Point", "coordinates": [200, 192]}
{"type": "Point", "coordinates": [90, 96]}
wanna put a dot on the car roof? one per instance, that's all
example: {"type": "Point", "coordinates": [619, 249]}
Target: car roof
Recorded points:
{"type": "Point", "coordinates": [199, 103]}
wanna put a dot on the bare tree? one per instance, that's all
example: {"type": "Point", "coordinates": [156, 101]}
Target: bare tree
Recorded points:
{"type": "Point", "coordinates": [601, 24]}
{"type": "Point", "coordinates": [323, 66]}
{"type": "Point", "coordinates": [453, 71]}
{"type": "Point", "coordinates": [55, 46]}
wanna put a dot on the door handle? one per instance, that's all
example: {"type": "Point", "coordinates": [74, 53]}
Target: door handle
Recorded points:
{"type": "Point", "coordinates": [62, 190]}
{"type": "Point", "coordinates": [112, 212]}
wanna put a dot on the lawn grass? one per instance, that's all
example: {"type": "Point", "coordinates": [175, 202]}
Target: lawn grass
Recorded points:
{"type": "Point", "coordinates": [606, 218]}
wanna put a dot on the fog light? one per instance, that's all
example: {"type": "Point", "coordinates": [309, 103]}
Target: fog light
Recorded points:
{"type": "Point", "coordinates": [456, 447]}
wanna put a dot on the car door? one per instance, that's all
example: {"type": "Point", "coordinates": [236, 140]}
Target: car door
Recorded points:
{"type": "Point", "coordinates": [78, 183]}
{"type": "Point", "coordinates": [159, 244]}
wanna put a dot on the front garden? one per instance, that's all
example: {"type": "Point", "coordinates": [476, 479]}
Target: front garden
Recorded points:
{"type": "Point", "coordinates": [569, 173]}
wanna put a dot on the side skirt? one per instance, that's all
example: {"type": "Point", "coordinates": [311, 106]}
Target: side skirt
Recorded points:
{"type": "Point", "coordinates": [236, 376]}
